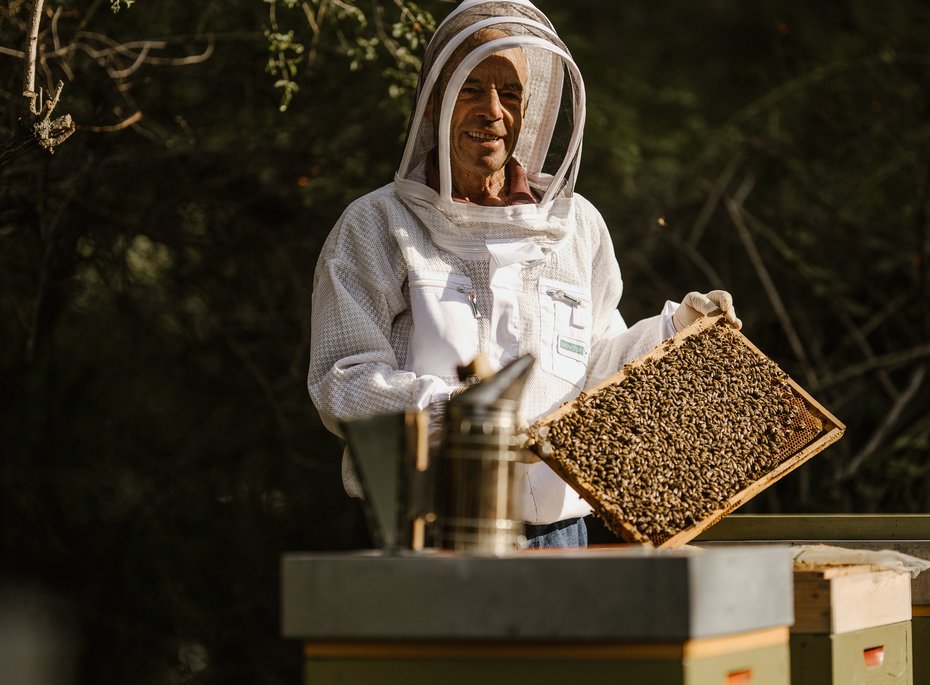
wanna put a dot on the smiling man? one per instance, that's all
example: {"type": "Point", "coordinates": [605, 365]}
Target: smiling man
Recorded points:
{"type": "Point", "coordinates": [480, 245]}
{"type": "Point", "coordinates": [485, 126]}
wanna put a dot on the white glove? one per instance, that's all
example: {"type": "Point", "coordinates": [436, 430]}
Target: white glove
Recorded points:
{"type": "Point", "coordinates": [695, 305]}
{"type": "Point", "coordinates": [437, 415]}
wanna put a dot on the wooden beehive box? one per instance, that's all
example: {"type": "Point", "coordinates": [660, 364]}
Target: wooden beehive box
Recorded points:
{"type": "Point", "coordinates": [834, 598]}
{"type": "Point", "coordinates": [684, 435]}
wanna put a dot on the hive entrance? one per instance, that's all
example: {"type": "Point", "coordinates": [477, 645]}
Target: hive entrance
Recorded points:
{"type": "Point", "coordinates": [665, 448]}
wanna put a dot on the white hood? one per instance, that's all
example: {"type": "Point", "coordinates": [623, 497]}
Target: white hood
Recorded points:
{"type": "Point", "coordinates": [549, 145]}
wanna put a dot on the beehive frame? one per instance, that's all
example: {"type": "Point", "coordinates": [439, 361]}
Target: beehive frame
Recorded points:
{"type": "Point", "coordinates": [831, 430]}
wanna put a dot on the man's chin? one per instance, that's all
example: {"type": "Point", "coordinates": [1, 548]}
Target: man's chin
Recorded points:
{"type": "Point", "coordinates": [483, 166]}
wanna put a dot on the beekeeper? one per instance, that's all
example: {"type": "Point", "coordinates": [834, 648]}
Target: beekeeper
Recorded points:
{"type": "Point", "coordinates": [481, 245]}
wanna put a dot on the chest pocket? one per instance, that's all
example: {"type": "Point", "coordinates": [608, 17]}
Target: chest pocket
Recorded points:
{"type": "Point", "coordinates": [445, 323]}
{"type": "Point", "coordinates": [565, 330]}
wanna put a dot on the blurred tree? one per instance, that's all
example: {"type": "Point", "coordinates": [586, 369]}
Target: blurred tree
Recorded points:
{"type": "Point", "coordinates": [159, 448]}
{"type": "Point", "coordinates": [780, 150]}
{"type": "Point", "coordinates": [160, 451]}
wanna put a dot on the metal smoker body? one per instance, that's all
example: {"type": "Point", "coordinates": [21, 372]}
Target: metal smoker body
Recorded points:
{"type": "Point", "coordinates": [459, 497]}
{"type": "Point", "coordinates": [476, 468]}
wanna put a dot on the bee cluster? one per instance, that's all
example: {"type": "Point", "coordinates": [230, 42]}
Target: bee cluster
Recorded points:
{"type": "Point", "coordinates": [679, 435]}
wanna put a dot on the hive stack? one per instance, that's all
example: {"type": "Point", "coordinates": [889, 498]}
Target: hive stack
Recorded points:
{"type": "Point", "coordinates": [624, 614]}
{"type": "Point", "coordinates": [907, 534]}
{"type": "Point", "coordinates": [684, 435]}
{"type": "Point", "coordinates": [852, 624]}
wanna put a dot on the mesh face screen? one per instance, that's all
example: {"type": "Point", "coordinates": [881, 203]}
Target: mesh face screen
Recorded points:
{"type": "Point", "coordinates": [678, 438]}
{"type": "Point", "coordinates": [553, 93]}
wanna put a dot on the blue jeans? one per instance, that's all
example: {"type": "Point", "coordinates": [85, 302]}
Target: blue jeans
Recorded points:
{"type": "Point", "coordinates": [568, 533]}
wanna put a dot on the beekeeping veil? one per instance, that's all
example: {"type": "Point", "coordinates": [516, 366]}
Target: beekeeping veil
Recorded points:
{"type": "Point", "coordinates": [549, 144]}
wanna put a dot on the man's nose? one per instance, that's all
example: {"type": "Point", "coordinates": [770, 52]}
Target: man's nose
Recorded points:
{"type": "Point", "coordinates": [492, 105]}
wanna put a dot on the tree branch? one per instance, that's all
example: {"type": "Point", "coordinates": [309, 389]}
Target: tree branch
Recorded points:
{"type": "Point", "coordinates": [878, 437]}
{"type": "Point", "coordinates": [131, 120]}
{"type": "Point", "coordinates": [856, 335]}
{"type": "Point", "coordinates": [734, 209]}
{"type": "Point", "coordinates": [36, 127]}
{"type": "Point", "coordinates": [885, 361]}
{"type": "Point", "coordinates": [29, 64]}
{"type": "Point", "coordinates": [717, 189]}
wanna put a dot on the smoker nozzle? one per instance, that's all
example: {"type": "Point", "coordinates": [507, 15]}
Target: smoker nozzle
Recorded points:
{"type": "Point", "coordinates": [506, 385]}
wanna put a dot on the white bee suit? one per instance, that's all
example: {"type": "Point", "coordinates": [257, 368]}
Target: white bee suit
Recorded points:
{"type": "Point", "coordinates": [412, 283]}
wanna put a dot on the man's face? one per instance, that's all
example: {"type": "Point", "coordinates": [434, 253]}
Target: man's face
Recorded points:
{"type": "Point", "coordinates": [487, 116]}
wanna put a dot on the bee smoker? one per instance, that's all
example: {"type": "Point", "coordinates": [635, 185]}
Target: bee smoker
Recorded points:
{"type": "Point", "coordinates": [455, 497]}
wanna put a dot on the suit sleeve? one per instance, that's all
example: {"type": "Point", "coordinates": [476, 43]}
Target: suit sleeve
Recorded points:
{"type": "Point", "coordinates": [613, 343]}
{"type": "Point", "coordinates": [357, 296]}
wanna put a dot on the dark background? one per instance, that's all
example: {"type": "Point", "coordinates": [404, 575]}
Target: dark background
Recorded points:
{"type": "Point", "coordinates": [159, 449]}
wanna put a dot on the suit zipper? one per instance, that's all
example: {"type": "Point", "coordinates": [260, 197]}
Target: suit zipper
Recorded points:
{"type": "Point", "coordinates": [472, 300]}
{"type": "Point", "coordinates": [564, 297]}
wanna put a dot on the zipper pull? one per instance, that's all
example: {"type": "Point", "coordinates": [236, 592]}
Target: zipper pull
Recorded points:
{"type": "Point", "coordinates": [472, 300]}
{"type": "Point", "coordinates": [565, 297]}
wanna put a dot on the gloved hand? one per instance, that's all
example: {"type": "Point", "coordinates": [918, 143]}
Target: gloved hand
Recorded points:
{"type": "Point", "coordinates": [437, 415]}
{"type": "Point", "coordinates": [694, 305]}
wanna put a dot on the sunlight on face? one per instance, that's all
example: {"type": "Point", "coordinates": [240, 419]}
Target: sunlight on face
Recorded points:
{"type": "Point", "coordinates": [487, 119]}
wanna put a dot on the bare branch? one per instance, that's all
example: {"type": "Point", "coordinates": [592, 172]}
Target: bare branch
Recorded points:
{"type": "Point", "coordinates": [885, 361]}
{"type": "Point", "coordinates": [125, 123]}
{"type": "Point", "coordinates": [52, 102]}
{"type": "Point", "coordinates": [878, 437]}
{"type": "Point", "coordinates": [734, 208]}
{"type": "Point", "coordinates": [128, 71]}
{"type": "Point", "coordinates": [698, 259]}
{"type": "Point", "coordinates": [866, 348]}
{"type": "Point", "coordinates": [713, 199]}
{"type": "Point", "coordinates": [892, 306]}
{"type": "Point", "coordinates": [856, 335]}
{"type": "Point", "coordinates": [32, 50]}
{"type": "Point", "coordinates": [189, 59]}
{"type": "Point", "coordinates": [145, 46]}
{"type": "Point", "coordinates": [55, 39]}
{"type": "Point", "coordinates": [386, 40]}
{"type": "Point", "coordinates": [314, 21]}
{"type": "Point", "coordinates": [36, 127]}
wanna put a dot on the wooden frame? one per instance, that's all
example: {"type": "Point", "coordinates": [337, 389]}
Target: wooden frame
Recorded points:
{"type": "Point", "coordinates": [831, 431]}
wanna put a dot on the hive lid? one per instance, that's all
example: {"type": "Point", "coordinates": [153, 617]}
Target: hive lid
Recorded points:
{"type": "Point", "coordinates": [560, 597]}
{"type": "Point", "coordinates": [684, 435]}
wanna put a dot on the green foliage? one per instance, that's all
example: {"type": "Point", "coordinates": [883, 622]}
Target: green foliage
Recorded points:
{"type": "Point", "coordinates": [283, 61]}
{"type": "Point", "coordinates": [362, 32]}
